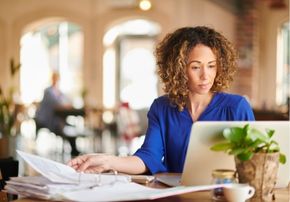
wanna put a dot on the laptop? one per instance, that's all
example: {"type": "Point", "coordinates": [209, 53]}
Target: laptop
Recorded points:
{"type": "Point", "coordinates": [201, 161]}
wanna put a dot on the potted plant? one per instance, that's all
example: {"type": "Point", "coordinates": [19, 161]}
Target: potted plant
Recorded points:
{"type": "Point", "coordinates": [8, 115]}
{"type": "Point", "coordinates": [257, 157]}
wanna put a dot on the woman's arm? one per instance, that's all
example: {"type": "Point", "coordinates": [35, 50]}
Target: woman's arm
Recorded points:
{"type": "Point", "coordinates": [96, 163]}
{"type": "Point", "coordinates": [148, 158]}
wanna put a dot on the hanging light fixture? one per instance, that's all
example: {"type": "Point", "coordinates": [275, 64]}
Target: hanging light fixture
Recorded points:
{"type": "Point", "coordinates": [145, 5]}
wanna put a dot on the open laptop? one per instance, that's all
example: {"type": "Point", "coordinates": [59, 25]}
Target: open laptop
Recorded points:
{"type": "Point", "coordinates": [201, 161]}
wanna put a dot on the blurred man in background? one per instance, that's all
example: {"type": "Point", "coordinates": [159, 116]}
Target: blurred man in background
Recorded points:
{"type": "Point", "coordinates": [46, 117]}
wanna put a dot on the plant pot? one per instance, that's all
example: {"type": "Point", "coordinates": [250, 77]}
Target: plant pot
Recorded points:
{"type": "Point", "coordinates": [261, 173]}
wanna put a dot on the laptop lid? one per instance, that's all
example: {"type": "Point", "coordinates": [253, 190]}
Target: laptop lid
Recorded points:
{"type": "Point", "coordinates": [201, 161]}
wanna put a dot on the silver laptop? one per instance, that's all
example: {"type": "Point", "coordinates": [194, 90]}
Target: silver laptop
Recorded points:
{"type": "Point", "coordinates": [201, 161]}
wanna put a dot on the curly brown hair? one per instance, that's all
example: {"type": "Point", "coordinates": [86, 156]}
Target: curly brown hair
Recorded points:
{"type": "Point", "coordinates": [172, 55]}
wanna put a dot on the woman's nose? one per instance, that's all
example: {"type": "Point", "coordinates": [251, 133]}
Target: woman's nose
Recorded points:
{"type": "Point", "coordinates": [204, 73]}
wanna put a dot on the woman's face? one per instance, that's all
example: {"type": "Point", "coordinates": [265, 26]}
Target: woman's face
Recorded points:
{"type": "Point", "coordinates": [201, 69]}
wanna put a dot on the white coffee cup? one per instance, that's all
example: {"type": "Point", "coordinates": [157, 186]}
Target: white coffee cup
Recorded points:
{"type": "Point", "coordinates": [238, 192]}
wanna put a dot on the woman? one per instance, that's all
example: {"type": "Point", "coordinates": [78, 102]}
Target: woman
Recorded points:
{"type": "Point", "coordinates": [195, 64]}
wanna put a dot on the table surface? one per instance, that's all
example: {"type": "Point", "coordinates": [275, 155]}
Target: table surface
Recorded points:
{"type": "Point", "coordinates": [281, 195]}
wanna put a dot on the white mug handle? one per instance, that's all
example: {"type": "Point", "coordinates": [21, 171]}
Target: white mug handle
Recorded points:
{"type": "Point", "coordinates": [251, 192]}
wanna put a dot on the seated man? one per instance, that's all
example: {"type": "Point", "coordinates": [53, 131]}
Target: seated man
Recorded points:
{"type": "Point", "coordinates": [46, 117]}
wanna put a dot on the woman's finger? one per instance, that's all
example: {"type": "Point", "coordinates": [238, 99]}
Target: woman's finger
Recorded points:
{"type": "Point", "coordinates": [76, 162]}
{"type": "Point", "coordinates": [90, 161]}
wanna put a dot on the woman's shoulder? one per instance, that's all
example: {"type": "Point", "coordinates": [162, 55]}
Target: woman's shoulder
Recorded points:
{"type": "Point", "coordinates": [235, 107]}
{"type": "Point", "coordinates": [163, 99]}
{"type": "Point", "coordinates": [229, 99]}
{"type": "Point", "coordinates": [230, 96]}
{"type": "Point", "coordinates": [162, 102]}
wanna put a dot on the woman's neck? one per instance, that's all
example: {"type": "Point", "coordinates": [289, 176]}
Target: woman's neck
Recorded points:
{"type": "Point", "coordinates": [197, 104]}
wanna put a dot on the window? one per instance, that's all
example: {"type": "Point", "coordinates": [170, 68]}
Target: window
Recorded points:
{"type": "Point", "coordinates": [55, 46]}
{"type": "Point", "coordinates": [283, 65]}
{"type": "Point", "coordinates": [138, 81]}
{"type": "Point", "coordinates": [129, 64]}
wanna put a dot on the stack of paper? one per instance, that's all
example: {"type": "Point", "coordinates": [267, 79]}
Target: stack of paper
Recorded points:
{"type": "Point", "coordinates": [56, 179]}
{"type": "Point", "coordinates": [61, 182]}
{"type": "Point", "coordinates": [40, 187]}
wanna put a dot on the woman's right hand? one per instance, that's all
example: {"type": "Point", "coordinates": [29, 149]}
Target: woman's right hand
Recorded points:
{"type": "Point", "coordinates": [92, 163]}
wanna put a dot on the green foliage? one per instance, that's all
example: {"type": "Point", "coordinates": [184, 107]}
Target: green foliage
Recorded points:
{"type": "Point", "coordinates": [243, 142]}
{"type": "Point", "coordinates": [14, 68]}
{"type": "Point", "coordinates": [7, 106]}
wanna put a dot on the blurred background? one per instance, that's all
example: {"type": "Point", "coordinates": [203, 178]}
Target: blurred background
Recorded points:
{"type": "Point", "coordinates": [104, 53]}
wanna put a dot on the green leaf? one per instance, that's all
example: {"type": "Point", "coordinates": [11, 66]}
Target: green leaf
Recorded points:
{"type": "Point", "coordinates": [255, 134]}
{"type": "Point", "coordinates": [237, 151]}
{"type": "Point", "coordinates": [273, 146]}
{"type": "Point", "coordinates": [243, 142]}
{"type": "Point", "coordinates": [245, 156]}
{"type": "Point", "coordinates": [246, 128]}
{"type": "Point", "coordinates": [255, 144]}
{"type": "Point", "coordinates": [234, 134]}
{"type": "Point", "coordinates": [282, 158]}
{"type": "Point", "coordinates": [270, 132]}
{"type": "Point", "coordinates": [224, 146]}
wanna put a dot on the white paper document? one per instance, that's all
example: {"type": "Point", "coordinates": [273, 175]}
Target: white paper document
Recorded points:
{"type": "Point", "coordinates": [61, 182]}
{"type": "Point", "coordinates": [130, 192]}
{"type": "Point", "coordinates": [52, 170]}
{"type": "Point", "coordinates": [61, 173]}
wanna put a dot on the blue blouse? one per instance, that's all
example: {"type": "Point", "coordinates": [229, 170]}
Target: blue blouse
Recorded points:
{"type": "Point", "coordinates": [165, 145]}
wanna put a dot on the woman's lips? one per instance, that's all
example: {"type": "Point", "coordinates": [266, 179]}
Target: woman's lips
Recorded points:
{"type": "Point", "coordinates": [204, 86]}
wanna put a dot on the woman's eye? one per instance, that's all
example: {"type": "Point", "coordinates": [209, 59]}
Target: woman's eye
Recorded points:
{"type": "Point", "coordinates": [195, 67]}
{"type": "Point", "coordinates": [212, 66]}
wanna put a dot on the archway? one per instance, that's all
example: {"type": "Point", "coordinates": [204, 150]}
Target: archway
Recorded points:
{"type": "Point", "coordinates": [129, 63]}
{"type": "Point", "coordinates": [46, 46]}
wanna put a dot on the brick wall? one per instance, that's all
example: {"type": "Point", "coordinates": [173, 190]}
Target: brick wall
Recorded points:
{"type": "Point", "coordinates": [245, 40]}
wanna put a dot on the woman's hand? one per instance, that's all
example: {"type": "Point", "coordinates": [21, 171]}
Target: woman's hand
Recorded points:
{"type": "Point", "coordinates": [92, 163]}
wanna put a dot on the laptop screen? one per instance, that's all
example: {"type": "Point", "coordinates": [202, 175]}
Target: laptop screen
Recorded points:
{"type": "Point", "coordinates": [201, 161]}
